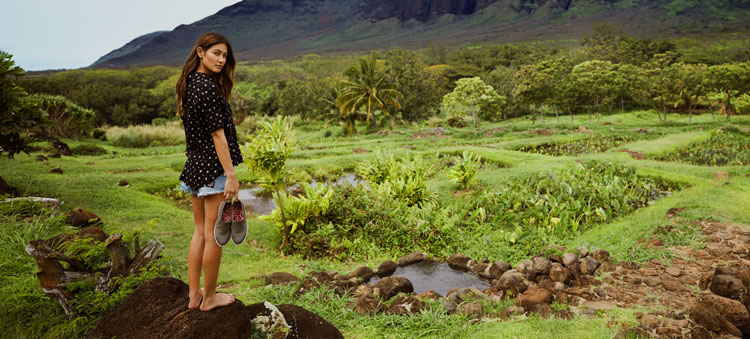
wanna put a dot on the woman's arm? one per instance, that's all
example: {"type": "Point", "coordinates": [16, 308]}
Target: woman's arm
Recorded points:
{"type": "Point", "coordinates": [222, 150]}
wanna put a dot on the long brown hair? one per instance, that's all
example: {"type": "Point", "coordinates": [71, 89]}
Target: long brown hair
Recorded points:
{"type": "Point", "coordinates": [225, 77]}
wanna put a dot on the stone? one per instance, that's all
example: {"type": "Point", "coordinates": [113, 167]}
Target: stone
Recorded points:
{"type": "Point", "coordinates": [601, 255]}
{"type": "Point", "coordinates": [432, 295]}
{"type": "Point", "coordinates": [56, 171]}
{"type": "Point", "coordinates": [280, 279]}
{"type": "Point", "coordinates": [364, 290]}
{"type": "Point", "coordinates": [650, 320]}
{"type": "Point", "coordinates": [732, 310]}
{"type": "Point", "coordinates": [599, 305]}
{"type": "Point", "coordinates": [386, 268]}
{"type": "Point", "coordinates": [525, 266]}
{"type": "Point", "coordinates": [54, 156]}
{"type": "Point", "coordinates": [450, 307]}
{"type": "Point", "coordinates": [459, 261]}
{"type": "Point", "coordinates": [541, 265]}
{"type": "Point", "coordinates": [713, 321]}
{"type": "Point", "coordinates": [512, 281]}
{"type": "Point", "coordinates": [582, 251]}
{"type": "Point", "coordinates": [630, 265]}
{"type": "Point", "coordinates": [362, 274]}
{"type": "Point", "coordinates": [652, 281]}
{"type": "Point", "coordinates": [668, 331]}
{"type": "Point", "coordinates": [406, 305]}
{"type": "Point", "coordinates": [589, 265]}
{"type": "Point", "coordinates": [390, 286]}
{"type": "Point", "coordinates": [511, 311]}
{"type": "Point", "coordinates": [412, 258]}
{"type": "Point", "coordinates": [672, 285]}
{"type": "Point", "coordinates": [366, 305]}
{"type": "Point", "coordinates": [721, 175]}
{"type": "Point", "coordinates": [472, 310]}
{"type": "Point", "coordinates": [729, 287]}
{"type": "Point", "coordinates": [123, 183]}
{"type": "Point", "coordinates": [479, 268]}
{"type": "Point", "coordinates": [673, 271]}
{"type": "Point", "coordinates": [558, 273]}
{"type": "Point", "coordinates": [82, 218]}
{"type": "Point", "coordinates": [570, 260]}
{"type": "Point", "coordinates": [497, 269]}
{"type": "Point", "coordinates": [533, 296]}
{"type": "Point", "coordinates": [459, 295]}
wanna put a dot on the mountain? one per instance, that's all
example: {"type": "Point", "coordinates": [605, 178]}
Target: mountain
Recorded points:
{"type": "Point", "coordinates": [267, 29]}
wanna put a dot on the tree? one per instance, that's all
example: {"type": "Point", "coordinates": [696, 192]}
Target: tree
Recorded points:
{"type": "Point", "coordinates": [690, 85]}
{"type": "Point", "coordinates": [472, 92]}
{"type": "Point", "coordinates": [305, 98]}
{"type": "Point", "coordinates": [542, 83]}
{"type": "Point", "coordinates": [17, 113]}
{"type": "Point", "coordinates": [67, 119]}
{"type": "Point", "coordinates": [730, 80]}
{"type": "Point", "coordinates": [502, 80]}
{"type": "Point", "coordinates": [661, 81]}
{"type": "Point", "coordinates": [597, 82]}
{"type": "Point", "coordinates": [266, 154]}
{"type": "Point", "coordinates": [368, 87]}
{"type": "Point", "coordinates": [422, 89]}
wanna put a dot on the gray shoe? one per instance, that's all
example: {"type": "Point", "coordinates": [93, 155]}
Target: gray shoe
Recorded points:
{"type": "Point", "coordinates": [239, 223]}
{"type": "Point", "coordinates": [222, 228]}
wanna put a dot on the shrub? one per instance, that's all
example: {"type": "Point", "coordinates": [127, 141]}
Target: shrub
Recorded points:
{"type": "Point", "coordinates": [456, 121]}
{"type": "Point", "coordinates": [88, 149]}
{"type": "Point", "coordinates": [141, 136]}
{"type": "Point", "coordinates": [99, 134]}
{"type": "Point", "coordinates": [69, 120]}
{"type": "Point", "coordinates": [464, 172]}
{"type": "Point", "coordinates": [159, 121]}
{"type": "Point", "coordinates": [402, 179]}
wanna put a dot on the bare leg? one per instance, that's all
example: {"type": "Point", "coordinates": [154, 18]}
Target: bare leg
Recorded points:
{"type": "Point", "coordinates": [212, 256]}
{"type": "Point", "coordinates": [195, 254]}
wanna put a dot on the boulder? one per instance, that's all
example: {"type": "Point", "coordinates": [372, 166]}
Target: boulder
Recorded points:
{"type": "Point", "coordinates": [386, 268]}
{"type": "Point", "coordinates": [497, 269]}
{"type": "Point", "coordinates": [732, 310]}
{"type": "Point", "coordinates": [365, 304]}
{"type": "Point", "coordinates": [390, 286]}
{"type": "Point", "coordinates": [589, 265]}
{"type": "Point", "coordinates": [729, 287]}
{"type": "Point", "coordinates": [158, 309]}
{"type": "Point", "coordinates": [512, 281]}
{"type": "Point", "coordinates": [472, 310]}
{"type": "Point", "coordinates": [459, 261]}
{"type": "Point", "coordinates": [558, 273]}
{"type": "Point", "coordinates": [412, 258]}
{"type": "Point", "coordinates": [432, 295]}
{"type": "Point", "coordinates": [582, 251]}
{"type": "Point", "coordinates": [364, 290]}
{"type": "Point", "coordinates": [406, 305]}
{"type": "Point", "coordinates": [601, 255]}
{"type": "Point", "coordinates": [450, 307]}
{"type": "Point", "coordinates": [362, 274]}
{"type": "Point", "coordinates": [533, 296]}
{"type": "Point", "coordinates": [280, 278]}
{"type": "Point", "coordinates": [541, 265]}
{"type": "Point", "coordinates": [511, 311]}
{"type": "Point", "coordinates": [570, 260]}
{"type": "Point", "coordinates": [459, 295]}
{"type": "Point", "coordinates": [82, 218]}
{"type": "Point", "coordinates": [713, 321]}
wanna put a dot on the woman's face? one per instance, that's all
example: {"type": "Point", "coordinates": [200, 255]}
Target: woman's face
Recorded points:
{"type": "Point", "coordinates": [212, 60]}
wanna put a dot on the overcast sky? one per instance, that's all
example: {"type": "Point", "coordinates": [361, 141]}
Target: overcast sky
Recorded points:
{"type": "Point", "coordinates": [52, 34]}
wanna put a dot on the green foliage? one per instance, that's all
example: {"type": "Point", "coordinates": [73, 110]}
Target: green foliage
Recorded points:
{"type": "Point", "coordinates": [311, 98]}
{"type": "Point", "coordinates": [402, 179]}
{"type": "Point", "coordinates": [591, 144]}
{"type": "Point", "coordinates": [472, 93]}
{"type": "Point", "coordinates": [21, 208]}
{"type": "Point", "coordinates": [725, 147]}
{"type": "Point", "coordinates": [142, 136]}
{"type": "Point", "coordinates": [88, 149]}
{"type": "Point", "coordinates": [299, 209]}
{"type": "Point", "coordinates": [17, 113]}
{"type": "Point", "coordinates": [422, 89]}
{"type": "Point", "coordinates": [464, 170]}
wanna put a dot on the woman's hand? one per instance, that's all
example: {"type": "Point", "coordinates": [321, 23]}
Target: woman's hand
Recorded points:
{"type": "Point", "coordinates": [231, 187]}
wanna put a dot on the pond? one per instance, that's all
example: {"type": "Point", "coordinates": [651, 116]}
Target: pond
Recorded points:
{"type": "Point", "coordinates": [438, 276]}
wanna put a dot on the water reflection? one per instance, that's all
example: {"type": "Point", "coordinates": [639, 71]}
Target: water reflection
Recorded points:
{"type": "Point", "coordinates": [439, 277]}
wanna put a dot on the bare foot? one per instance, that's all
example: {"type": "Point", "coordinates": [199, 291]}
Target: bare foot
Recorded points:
{"type": "Point", "coordinates": [195, 300]}
{"type": "Point", "coordinates": [218, 300]}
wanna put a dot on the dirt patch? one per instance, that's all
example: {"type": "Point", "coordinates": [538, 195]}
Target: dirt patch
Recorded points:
{"type": "Point", "coordinates": [432, 132]}
{"type": "Point", "coordinates": [541, 131]}
{"type": "Point", "coordinates": [492, 131]}
{"type": "Point", "coordinates": [361, 150]}
{"type": "Point", "coordinates": [633, 154]}
{"type": "Point", "coordinates": [158, 309]}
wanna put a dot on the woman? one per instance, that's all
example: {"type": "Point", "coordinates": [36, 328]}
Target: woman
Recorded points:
{"type": "Point", "coordinates": [212, 152]}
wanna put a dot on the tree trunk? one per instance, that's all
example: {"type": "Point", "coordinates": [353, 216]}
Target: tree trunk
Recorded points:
{"type": "Point", "coordinates": [474, 114]}
{"type": "Point", "coordinates": [557, 115]}
{"type": "Point", "coordinates": [729, 108]}
{"type": "Point", "coordinates": [588, 109]}
{"type": "Point", "coordinates": [664, 109]}
{"type": "Point", "coordinates": [690, 114]}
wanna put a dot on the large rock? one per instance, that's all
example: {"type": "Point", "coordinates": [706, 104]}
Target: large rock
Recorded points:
{"type": "Point", "coordinates": [82, 218]}
{"type": "Point", "coordinates": [365, 304]}
{"type": "Point", "coordinates": [600, 255]}
{"type": "Point", "coordinates": [589, 265]}
{"type": "Point", "coordinates": [158, 309]}
{"type": "Point", "coordinates": [472, 310]}
{"type": "Point", "coordinates": [512, 281]}
{"type": "Point", "coordinates": [729, 287]}
{"type": "Point", "coordinates": [280, 278]}
{"type": "Point", "coordinates": [390, 286]}
{"type": "Point", "coordinates": [406, 305]}
{"type": "Point", "coordinates": [386, 268]}
{"type": "Point", "coordinates": [459, 262]}
{"type": "Point", "coordinates": [732, 310]}
{"type": "Point", "coordinates": [362, 274]}
{"type": "Point", "coordinates": [714, 321]}
{"type": "Point", "coordinates": [541, 265]}
{"type": "Point", "coordinates": [558, 273]}
{"type": "Point", "coordinates": [497, 269]}
{"type": "Point", "coordinates": [412, 258]}
{"type": "Point", "coordinates": [570, 260]}
{"type": "Point", "coordinates": [534, 296]}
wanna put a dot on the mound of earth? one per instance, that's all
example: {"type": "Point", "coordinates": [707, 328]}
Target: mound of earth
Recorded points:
{"type": "Point", "coordinates": [158, 309]}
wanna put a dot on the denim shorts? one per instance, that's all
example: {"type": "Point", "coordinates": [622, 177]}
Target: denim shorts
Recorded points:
{"type": "Point", "coordinates": [214, 187]}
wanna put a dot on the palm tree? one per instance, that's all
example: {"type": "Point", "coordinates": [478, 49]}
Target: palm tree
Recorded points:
{"type": "Point", "coordinates": [367, 87]}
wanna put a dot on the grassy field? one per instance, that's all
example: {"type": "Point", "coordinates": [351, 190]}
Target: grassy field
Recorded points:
{"type": "Point", "coordinates": [90, 182]}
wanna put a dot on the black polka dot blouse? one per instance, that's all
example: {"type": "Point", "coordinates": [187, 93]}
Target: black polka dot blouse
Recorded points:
{"type": "Point", "coordinates": [206, 111]}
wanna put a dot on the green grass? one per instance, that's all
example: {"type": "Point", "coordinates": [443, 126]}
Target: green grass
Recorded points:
{"type": "Point", "coordinates": [90, 182]}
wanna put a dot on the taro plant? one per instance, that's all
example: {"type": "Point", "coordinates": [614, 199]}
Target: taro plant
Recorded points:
{"type": "Point", "coordinates": [300, 209]}
{"type": "Point", "coordinates": [402, 179]}
{"type": "Point", "coordinates": [729, 146]}
{"type": "Point", "coordinates": [266, 154]}
{"type": "Point", "coordinates": [464, 172]}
